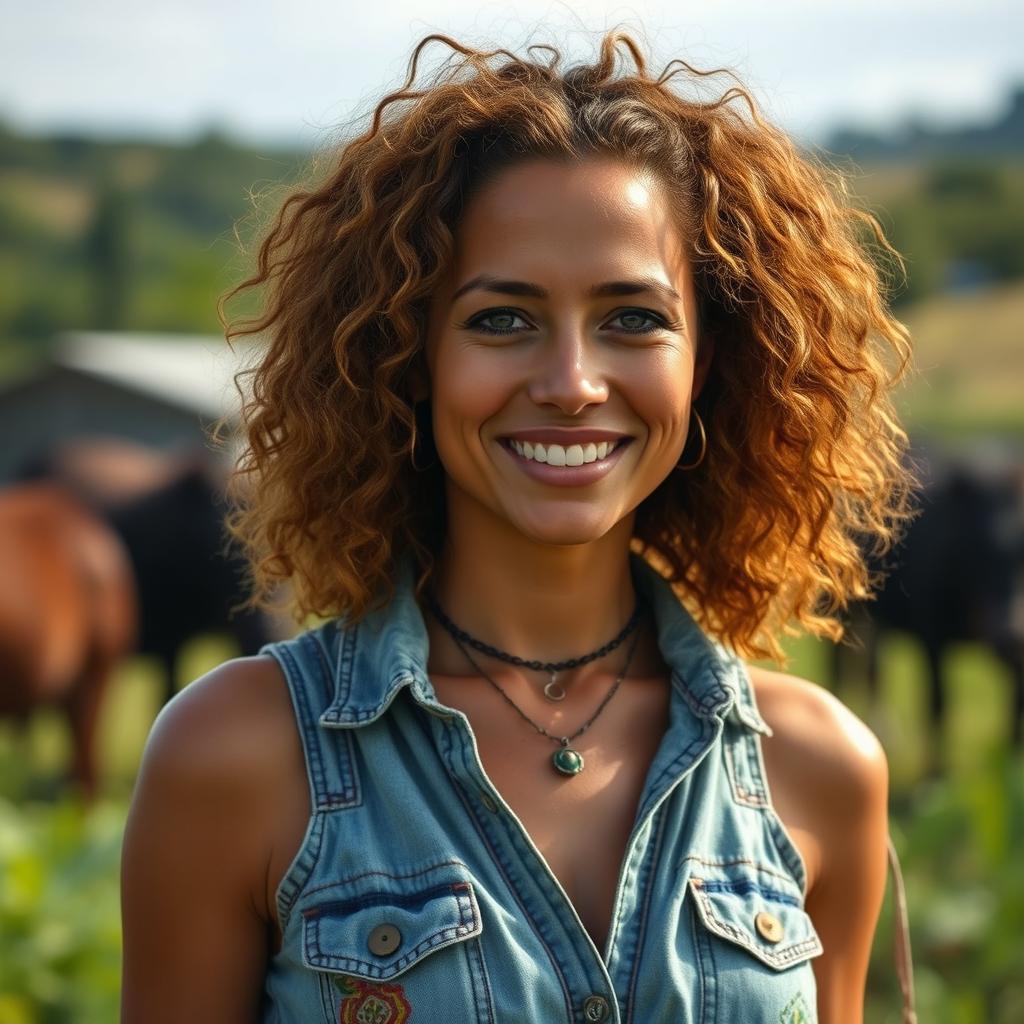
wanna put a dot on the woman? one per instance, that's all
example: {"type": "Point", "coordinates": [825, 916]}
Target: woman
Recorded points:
{"type": "Point", "coordinates": [575, 393]}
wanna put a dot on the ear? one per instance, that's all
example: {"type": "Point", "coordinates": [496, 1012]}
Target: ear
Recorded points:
{"type": "Point", "coordinates": [705, 357]}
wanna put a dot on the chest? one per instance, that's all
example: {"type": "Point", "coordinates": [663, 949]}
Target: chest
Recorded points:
{"type": "Point", "coordinates": [580, 824]}
{"type": "Point", "coordinates": [511, 950]}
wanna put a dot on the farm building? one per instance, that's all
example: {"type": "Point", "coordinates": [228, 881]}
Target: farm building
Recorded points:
{"type": "Point", "coordinates": [160, 390]}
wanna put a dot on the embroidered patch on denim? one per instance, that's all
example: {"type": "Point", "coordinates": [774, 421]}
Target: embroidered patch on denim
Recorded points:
{"type": "Point", "coordinates": [368, 1002]}
{"type": "Point", "coordinates": [796, 1012]}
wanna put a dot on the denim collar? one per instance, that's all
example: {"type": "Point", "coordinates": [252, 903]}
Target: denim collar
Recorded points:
{"type": "Point", "coordinates": [387, 650]}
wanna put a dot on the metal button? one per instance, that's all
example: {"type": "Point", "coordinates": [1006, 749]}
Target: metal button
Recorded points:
{"type": "Point", "coordinates": [595, 1008]}
{"type": "Point", "coordinates": [384, 940]}
{"type": "Point", "coordinates": [769, 927]}
{"type": "Point", "coordinates": [487, 800]}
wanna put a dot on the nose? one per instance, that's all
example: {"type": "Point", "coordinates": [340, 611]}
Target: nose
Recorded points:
{"type": "Point", "coordinates": [568, 374]}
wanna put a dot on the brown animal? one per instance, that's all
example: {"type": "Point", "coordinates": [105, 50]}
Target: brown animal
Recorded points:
{"type": "Point", "coordinates": [167, 507]}
{"type": "Point", "coordinates": [67, 613]}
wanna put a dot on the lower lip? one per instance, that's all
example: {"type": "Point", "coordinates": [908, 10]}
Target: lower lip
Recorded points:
{"type": "Point", "coordinates": [567, 476]}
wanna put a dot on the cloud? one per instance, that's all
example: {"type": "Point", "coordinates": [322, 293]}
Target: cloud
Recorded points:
{"type": "Point", "coordinates": [292, 69]}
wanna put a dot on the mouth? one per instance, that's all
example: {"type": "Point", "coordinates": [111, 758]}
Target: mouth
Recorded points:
{"type": "Point", "coordinates": [569, 456]}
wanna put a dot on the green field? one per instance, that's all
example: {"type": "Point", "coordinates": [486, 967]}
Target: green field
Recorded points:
{"type": "Point", "coordinates": [968, 376]}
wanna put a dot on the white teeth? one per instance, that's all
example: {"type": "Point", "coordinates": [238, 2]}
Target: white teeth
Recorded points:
{"type": "Point", "coordinates": [559, 455]}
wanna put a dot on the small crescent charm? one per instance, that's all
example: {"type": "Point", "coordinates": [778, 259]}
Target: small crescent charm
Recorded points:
{"type": "Point", "coordinates": [554, 691]}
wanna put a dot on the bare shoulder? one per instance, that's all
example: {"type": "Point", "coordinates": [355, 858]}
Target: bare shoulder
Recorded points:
{"type": "Point", "coordinates": [199, 843]}
{"type": "Point", "coordinates": [227, 725]}
{"type": "Point", "coordinates": [829, 744]}
{"type": "Point", "coordinates": [227, 746]}
{"type": "Point", "coordinates": [827, 771]}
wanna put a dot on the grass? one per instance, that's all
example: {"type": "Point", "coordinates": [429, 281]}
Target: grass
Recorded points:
{"type": "Point", "coordinates": [32, 765]}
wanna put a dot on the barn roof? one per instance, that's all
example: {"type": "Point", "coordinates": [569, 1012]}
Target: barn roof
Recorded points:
{"type": "Point", "coordinates": [192, 372]}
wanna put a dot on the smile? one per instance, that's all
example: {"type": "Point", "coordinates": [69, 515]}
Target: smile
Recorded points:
{"type": "Point", "coordinates": [572, 465]}
{"type": "Point", "coordinates": [564, 455]}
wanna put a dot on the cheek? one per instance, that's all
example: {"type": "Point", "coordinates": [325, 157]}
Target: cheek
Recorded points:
{"type": "Point", "coordinates": [468, 390]}
{"type": "Point", "coordinates": [661, 394]}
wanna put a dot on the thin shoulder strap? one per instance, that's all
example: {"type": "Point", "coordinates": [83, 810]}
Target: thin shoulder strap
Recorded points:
{"type": "Point", "coordinates": [904, 958]}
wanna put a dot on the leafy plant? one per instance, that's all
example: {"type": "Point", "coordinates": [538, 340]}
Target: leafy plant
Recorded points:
{"type": "Point", "coordinates": [60, 930]}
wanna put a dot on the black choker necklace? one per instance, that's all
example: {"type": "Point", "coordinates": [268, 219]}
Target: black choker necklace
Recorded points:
{"type": "Point", "coordinates": [552, 690]}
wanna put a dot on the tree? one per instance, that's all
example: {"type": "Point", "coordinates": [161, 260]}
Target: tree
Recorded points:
{"type": "Point", "coordinates": [106, 246]}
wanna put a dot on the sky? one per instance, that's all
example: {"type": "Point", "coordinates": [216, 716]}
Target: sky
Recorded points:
{"type": "Point", "coordinates": [289, 72]}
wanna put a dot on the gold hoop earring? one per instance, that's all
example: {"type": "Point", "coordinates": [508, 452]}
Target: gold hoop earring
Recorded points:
{"type": "Point", "coordinates": [421, 408]}
{"type": "Point", "coordinates": [703, 445]}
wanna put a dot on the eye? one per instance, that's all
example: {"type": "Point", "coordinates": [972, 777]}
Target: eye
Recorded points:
{"type": "Point", "coordinates": [502, 320]}
{"type": "Point", "coordinates": [632, 321]}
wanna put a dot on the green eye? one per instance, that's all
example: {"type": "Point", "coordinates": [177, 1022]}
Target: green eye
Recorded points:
{"type": "Point", "coordinates": [632, 320]}
{"type": "Point", "coordinates": [502, 320]}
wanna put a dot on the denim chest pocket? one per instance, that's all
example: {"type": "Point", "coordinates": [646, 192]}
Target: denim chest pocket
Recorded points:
{"type": "Point", "coordinates": [754, 944]}
{"type": "Point", "coordinates": [391, 947]}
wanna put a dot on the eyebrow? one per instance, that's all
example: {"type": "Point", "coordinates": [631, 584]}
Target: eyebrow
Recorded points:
{"type": "Point", "coordinates": [501, 286]}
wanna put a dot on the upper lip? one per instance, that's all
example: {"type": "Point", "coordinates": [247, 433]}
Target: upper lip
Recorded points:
{"type": "Point", "coordinates": [565, 435]}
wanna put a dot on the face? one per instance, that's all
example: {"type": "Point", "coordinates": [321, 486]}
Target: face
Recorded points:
{"type": "Point", "coordinates": [562, 350]}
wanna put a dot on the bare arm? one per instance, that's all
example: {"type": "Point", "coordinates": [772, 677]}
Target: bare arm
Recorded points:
{"type": "Point", "coordinates": [195, 854]}
{"type": "Point", "coordinates": [847, 897]}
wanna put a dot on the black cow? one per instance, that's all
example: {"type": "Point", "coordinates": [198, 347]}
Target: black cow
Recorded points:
{"type": "Point", "coordinates": [958, 575]}
{"type": "Point", "coordinates": [187, 582]}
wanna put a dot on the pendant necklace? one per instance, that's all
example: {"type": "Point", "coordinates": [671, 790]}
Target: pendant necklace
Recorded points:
{"type": "Point", "coordinates": [565, 760]}
{"type": "Point", "coordinates": [553, 690]}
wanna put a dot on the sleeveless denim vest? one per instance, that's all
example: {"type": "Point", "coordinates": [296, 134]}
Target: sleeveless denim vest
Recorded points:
{"type": "Point", "coordinates": [418, 896]}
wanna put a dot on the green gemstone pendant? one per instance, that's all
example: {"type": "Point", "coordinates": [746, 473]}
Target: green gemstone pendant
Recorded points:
{"type": "Point", "coordinates": [567, 760]}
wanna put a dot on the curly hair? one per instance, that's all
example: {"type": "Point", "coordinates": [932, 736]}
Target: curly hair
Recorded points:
{"type": "Point", "coordinates": [805, 474]}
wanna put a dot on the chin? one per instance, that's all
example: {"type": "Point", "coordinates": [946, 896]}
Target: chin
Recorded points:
{"type": "Point", "coordinates": [559, 528]}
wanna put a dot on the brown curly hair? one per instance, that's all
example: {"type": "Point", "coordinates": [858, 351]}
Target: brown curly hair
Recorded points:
{"type": "Point", "coordinates": [805, 474]}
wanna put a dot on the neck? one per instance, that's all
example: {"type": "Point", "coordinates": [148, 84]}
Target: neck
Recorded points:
{"type": "Point", "coordinates": [541, 602]}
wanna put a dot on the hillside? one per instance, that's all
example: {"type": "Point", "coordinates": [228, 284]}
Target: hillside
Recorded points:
{"type": "Point", "coordinates": [969, 356]}
{"type": "Point", "coordinates": [141, 236]}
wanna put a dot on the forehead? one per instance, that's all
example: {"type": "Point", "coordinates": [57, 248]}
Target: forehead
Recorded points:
{"type": "Point", "coordinates": [580, 219]}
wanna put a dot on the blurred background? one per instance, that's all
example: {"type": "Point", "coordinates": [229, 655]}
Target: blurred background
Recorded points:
{"type": "Point", "coordinates": [135, 141]}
